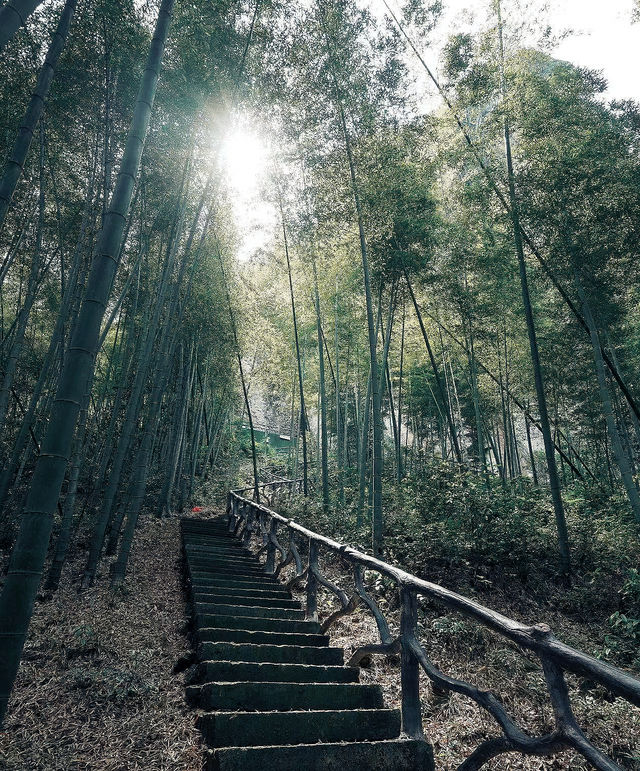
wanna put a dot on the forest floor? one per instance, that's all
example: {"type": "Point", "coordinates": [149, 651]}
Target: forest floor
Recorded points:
{"type": "Point", "coordinates": [95, 691]}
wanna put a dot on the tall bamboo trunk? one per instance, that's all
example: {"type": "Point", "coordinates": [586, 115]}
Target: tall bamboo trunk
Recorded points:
{"type": "Point", "coordinates": [434, 366]}
{"type": "Point", "coordinates": [303, 412]}
{"type": "Point", "coordinates": [64, 536]}
{"type": "Point", "coordinates": [143, 361]}
{"type": "Point", "coordinates": [399, 463]}
{"type": "Point", "coordinates": [178, 435]}
{"type": "Point", "coordinates": [554, 482]}
{"type": "Point", "coordinates": [15, 164]}
{"type": "Point", "coordinates": [11, 362]}
{"type": "Point", "coordinates": [29, 552]}
{"type": "Point", "coordinates": [324, 459]}
{"type": "Point", "coordinates": [13, 15]}
{"type": "Point", "coordinates": [377, 522]}
{"type": "Point", "coordinates": [620, 457]}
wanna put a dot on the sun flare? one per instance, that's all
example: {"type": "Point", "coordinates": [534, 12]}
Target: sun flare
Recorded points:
{"type": "Point", "coordinates": [244, 159]}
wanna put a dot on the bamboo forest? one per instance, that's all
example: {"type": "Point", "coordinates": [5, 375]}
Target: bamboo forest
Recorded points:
{"type": "Point", "coordinates": [319, 385]}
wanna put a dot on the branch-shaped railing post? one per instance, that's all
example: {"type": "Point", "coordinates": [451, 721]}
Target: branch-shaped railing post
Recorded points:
{"type": "Point", "coordinates": [409, 665]}
{"type": "Point", "coordinates": [248, 530]}
{"type": "Point", "coordinates": [312, 582]}
{"type": "Point", "coordinates": [270, 565]}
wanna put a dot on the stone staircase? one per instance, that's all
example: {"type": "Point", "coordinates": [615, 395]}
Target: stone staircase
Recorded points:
{"type": "Point", "coordinates": [273, 694]}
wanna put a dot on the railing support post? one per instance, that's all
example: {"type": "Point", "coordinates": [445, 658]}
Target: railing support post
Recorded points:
{"type": "Point", "coordinates": [270, 565]}
{"type": "Point", "coordinates": [249, 519]}
{"type": "Point", "coordinates": [312, 583]}
{"type": "Point", "coordinates": [409, 666]}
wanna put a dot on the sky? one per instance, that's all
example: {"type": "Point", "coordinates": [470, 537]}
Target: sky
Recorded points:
{"type": "Point", "coordinates": [609, 42]}
{"type": "Point", "coordinates": [601, 37]}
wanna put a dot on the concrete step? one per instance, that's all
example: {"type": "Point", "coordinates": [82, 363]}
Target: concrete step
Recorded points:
{"type": "Point", "coordinates": [394, 755]}
{"type": "Point", "coordinates": [221, 526]}
{"type": "Point", "coordinates": [223, 561]}
{"type": "Point", "coordinates": [268, 593]}
{"type": "Point", "coordinates": [211, 540]}
{"type": "Point", "coordinates": [262, 697]}
{"type": "Point", "coordinates": [218, 530]}
{"type": "Point", "coordinates": [206, 563]}
{"type": "Point", "coordinates": [232, 549]}
{"type": "Point", "coordinates": [266, 582]}
{"type": "Point", "coordinates": [205, 573]}
{"type": "Point", "coordinates": [211, 634]}
{"type": "Point", "coordinates": [276, 654]}
{"type": "Point", "coordinates": [254, 611]}
{"type": "Point", "coordinates": [241, 671]}
{"type": "Point", "coordinates": [255, 624]}
{"type": "Point", "coordinates": [253, 729]}
{"type": "Point", "coordinates": [202, 539]}
{"type": "Point", "coordinates": [267, 602]}
{"type": "Point", "coordinates": [219, 552]}
{"type": "Point", "coordinates": [223, 570]}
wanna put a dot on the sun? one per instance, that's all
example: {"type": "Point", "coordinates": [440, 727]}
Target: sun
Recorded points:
{"type": "Point", "coordinates": [244, 158]}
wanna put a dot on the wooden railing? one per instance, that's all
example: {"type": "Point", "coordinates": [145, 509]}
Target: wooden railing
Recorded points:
{"type": "Point", "coordinates": [270, 490]}
{"type": "Point", "coordinates": [247, 518]}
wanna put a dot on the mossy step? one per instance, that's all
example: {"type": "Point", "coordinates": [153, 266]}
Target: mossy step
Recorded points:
{"type": "Point", "coordinates": [259, 637]}
{"type": "Point", "coordinates": [232, 550]}
{"type": "Point", "coordinates": [242, 671]}
{"type": "Point", "coordinates": [206, 526]}
{"type": "Point", "coordinates": [231, 547]}
{"type": "Point", "coordinates": [251, 600]}
{"type": "Point", "coordinates": [262, 697]}
{"type": "Point", "coordinates": [394, 755]}
{"type": "Point", "coordinates": [254, 623]}
{"type": "Point", "coordinates": [227, 570]}
{"type": "Point", "coordinates": [211, 540]}
{"type": "Point", "coordinates": [221, 520]}
{"type": "Point", "coordinates": [229, 609]}
{"type": "Point", "coordinates": [199, 571]}
{"type": "Point", "coordinates": [224, 560]}
{"type": "Point", "coordinates": [266, 582]}
{"type": "Point", "coordinates": [234, 591]}
{"type": "Point", "coordinates": [275, 654]}
{"type": "Point", "coordinates": [251, 729]}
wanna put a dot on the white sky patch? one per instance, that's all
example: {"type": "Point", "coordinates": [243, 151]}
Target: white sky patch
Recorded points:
{"type": "Point", "coordinates": [608, 41]}
{"type": "Point", "coordinates": [245, 159]}
{"type": "Point", "coordinates": [602, 36]}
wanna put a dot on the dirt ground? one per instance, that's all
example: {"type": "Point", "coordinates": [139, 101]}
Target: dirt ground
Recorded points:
{"type": "Point", "coordinates": [95, 691]}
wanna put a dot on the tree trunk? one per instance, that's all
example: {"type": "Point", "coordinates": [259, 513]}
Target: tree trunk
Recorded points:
{"type": "Point", "coordinates": [436, 374]}
{"type": "Point", "coordinates": [13, 15]}
{"type": "Point", "coordinates": [11, 363]}
{"type": "Point", "coordinates": [619, 454]}
{"type": "Point", "coordinates": [324, 462]}
{"type": "Point", "coordinates": [303, 412]}
{"type": "Point", "coordinates": [15, 164]}
{"type": "Point", "coordinates": [554, 482]}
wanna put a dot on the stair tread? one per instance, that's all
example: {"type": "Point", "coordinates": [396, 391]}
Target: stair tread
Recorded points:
{"type": "Point", "coordinates": [271, 690]}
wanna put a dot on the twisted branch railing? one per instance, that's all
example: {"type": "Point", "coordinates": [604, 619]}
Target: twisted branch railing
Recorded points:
{"type": "Point", "coordinates": [247, 518]}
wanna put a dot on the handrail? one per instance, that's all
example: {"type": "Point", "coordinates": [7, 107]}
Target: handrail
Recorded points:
{"type": "Point", "coordinates": [247, 518]}
{"type": "Point", "coordinates": [291, 483]}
